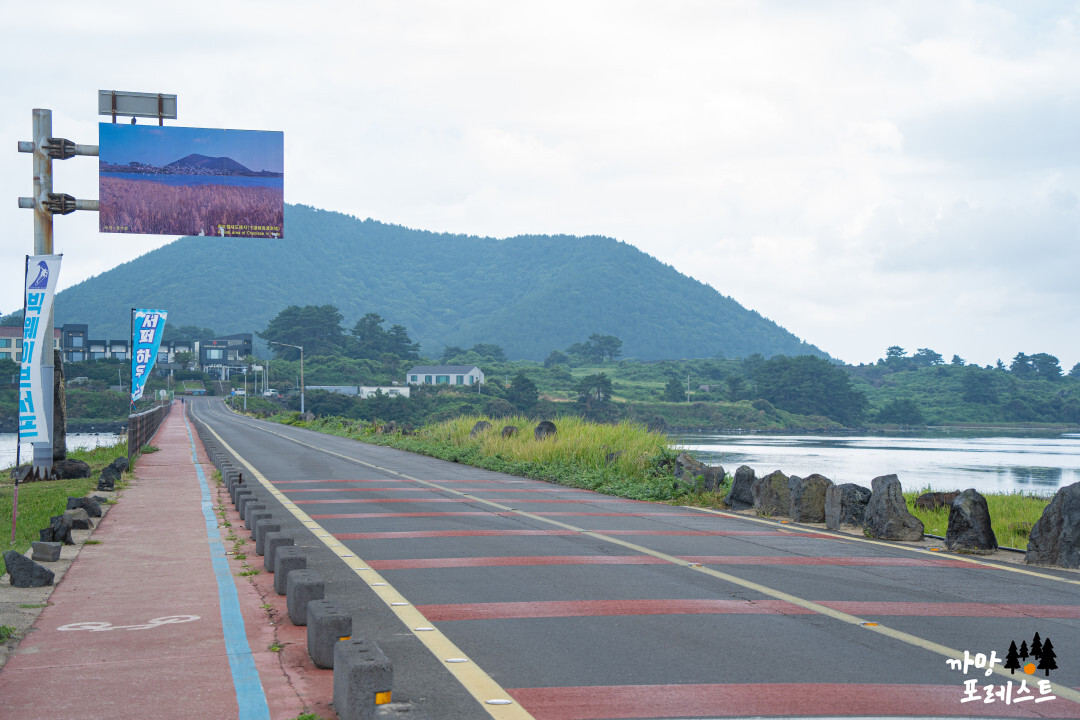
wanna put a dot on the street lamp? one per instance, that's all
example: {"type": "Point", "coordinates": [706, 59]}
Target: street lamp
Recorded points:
{"type": "Point", "coordinates": [301, 349]}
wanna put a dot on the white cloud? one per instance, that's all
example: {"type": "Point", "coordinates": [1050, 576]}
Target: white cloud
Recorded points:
{"type": "Point", "coordinates": [864, 174]}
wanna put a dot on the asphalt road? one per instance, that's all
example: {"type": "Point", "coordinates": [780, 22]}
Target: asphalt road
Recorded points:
{"type": "Point", "coordinates": [562, 604]}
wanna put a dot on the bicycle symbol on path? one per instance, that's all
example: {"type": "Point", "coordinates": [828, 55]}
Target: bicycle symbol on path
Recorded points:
{"type": "Point", "coordinates": [104, 626]}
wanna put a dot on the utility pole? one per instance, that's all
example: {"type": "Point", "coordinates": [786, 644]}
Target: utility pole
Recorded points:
{"type": "Point", "coordinates": [45, 203]}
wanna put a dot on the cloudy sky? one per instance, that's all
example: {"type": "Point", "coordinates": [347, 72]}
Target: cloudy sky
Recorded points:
{"type": "Point", "coordinates": [865, 174]}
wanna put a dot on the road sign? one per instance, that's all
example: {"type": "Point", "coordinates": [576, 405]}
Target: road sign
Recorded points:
{"type": "Point", "coordinates": [136, 104]}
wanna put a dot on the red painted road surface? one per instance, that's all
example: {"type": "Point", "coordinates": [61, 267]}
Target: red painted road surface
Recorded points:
{"type": "Point", "coordinates": [153, 563]}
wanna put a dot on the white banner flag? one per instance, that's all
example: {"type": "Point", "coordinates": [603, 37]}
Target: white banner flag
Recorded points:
{"type": "Point", "coordinates": [41, 274]}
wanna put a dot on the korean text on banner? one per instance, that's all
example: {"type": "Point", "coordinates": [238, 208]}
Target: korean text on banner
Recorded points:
{"type": "Point", "coordinates": [148, 327]}
{"type": "Point", "coordinates": [41, 274]}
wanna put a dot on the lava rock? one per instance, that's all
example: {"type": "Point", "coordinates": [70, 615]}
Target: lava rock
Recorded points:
{"type": "Point", "coordinates": [91, 505]}
{"type": "Point", "coordinates": [845, 505]}
{"type": "Point", "coordinates": [79, 519]}
{"type": "Point", "coordinates": [808, 499]}
{"type": "Point", "coordinates": [969, 525]}
{"type": "Point", "coordinates": [69, 468]}
{"type": "Point", "coordinates": [1055, 538]}
{"type": "Point", "coordinates": [120, 464]}
{"type": "Point", "coordinates": [481, 426]}
{"type": "Point", "coordinates": [25, 573]}
{"type": "Point", "coordinates": [544, 430]}
{"type": "Point", "coordinates": [741, 495]}
{"type": "Point", "coordinates": [887, 516]}
{"type": "Point", "coordinates": [772, 495]}
{"type": "Point", "coordinates": [509, 431]}
{"type": "Point", "coordinates": [934, 500]}
{"type": "Point", "coordinates": [695, 475]}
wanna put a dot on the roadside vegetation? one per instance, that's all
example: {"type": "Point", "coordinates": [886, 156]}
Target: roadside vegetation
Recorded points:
{"type": "Point", "coordinates": [38, 501]}
{"type": "Point", "coordinates": [623, 459]}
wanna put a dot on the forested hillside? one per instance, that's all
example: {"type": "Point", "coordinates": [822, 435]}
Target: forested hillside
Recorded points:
{"type": "Point", "coordinates": [529, 294]}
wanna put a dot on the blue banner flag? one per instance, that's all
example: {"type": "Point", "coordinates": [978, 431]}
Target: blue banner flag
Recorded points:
{"type": "Point", "coordinates": [42, 272]}
{"type": "Point", "coordinates": [147, 327]}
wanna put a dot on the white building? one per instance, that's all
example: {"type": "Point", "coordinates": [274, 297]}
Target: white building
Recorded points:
{"type": "Point", "coordinates": [367, 391]}
{"type": "Point", "coordinates": [445, 375]}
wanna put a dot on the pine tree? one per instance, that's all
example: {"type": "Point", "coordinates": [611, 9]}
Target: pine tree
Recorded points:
{"type": "Point", "coordinates": [1036, 647]}
{"type": "Point", "coordinates": [1048, 657]}
{"type": "Point", "coordinates": [1024, 654]}
{"type": "Point", "coordinates": [1012, 660]}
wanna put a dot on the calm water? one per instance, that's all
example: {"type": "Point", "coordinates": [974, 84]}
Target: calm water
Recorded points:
{"type": "Point", "coordinates": [74, 440]}
{"type": "Point", "coordinates": [238, 180]}
{"type": "Point", "coordinates": [1039, 464]}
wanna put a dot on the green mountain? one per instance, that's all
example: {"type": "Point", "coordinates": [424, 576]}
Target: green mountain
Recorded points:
{"type": "Point", "coordinates": [529, 294]}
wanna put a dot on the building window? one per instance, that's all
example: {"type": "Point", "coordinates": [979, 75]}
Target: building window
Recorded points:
{"type": "Point", "coordinates": [471, 380]}
{"type": "Point", "coordinates": [427, 379]}
{"type": "Point", "coordinates": [215, 353]}
{"type": "Point", "coordinates": [460, 379]}
{"type": "Point", "coordinates": [6, 342]}
{"type": "Point", "coordinates": [76, 357]}
{"type": "Point", "coordinates": [442, 379]}
{"type": "Point", "coordinates": [5, 356]}
{"type": "Point", "coordinates": [413, 378]}
{"type": "Point", "coordinates": [76, 341]}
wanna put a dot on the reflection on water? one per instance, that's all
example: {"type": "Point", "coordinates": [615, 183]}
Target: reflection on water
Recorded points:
{"type": "Point", "coordinates": [1038, 463]}
{"type": "Point", "coordinates": [74, 440]}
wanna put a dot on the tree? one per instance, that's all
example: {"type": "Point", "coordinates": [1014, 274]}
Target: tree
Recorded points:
{"type": "Point", "coordinates": [1048, 658]}
{"type": "Point", "coordinates": [978, 387]}
{"type": "Point", "coordinates": [594, 390]}
{"type": "Point", "coordinates": [1075, 372]}
{"type": "Point", "coordinates": [450, 352]}
{"type": "Point", "coordinates": [489, 351]}
{"type": "Point", "coordinates": [315, 328]}
{"type": "Point", "coordinates": [1024, 650]}
{"type": "Point", "coordinates": [585, 353]}
{"type": "Point", "coordinates": [902, 411]}
{"type": "Point", "coordinates": [925, 357]}
{"type": "Point", "coordinates": [894, 352]}
{"type": "Point", "coordinates": [957, 360]}
{"type": "Point", "coordinates": [1012, 659]}
{"type": "Point", "coordinates": [607, 346]}
{"type": "Point", "coordinates": [523, 393]}
{"type": "Point", "coordinates": [1045, 366]}
{"type": "Point", "coordinates": [558, 358]}
{"type": "Point", "coordinates": [1021, 365]}
{"type": "Point", "coordinates": [675, 391]}
{"type": "Point", "coordinates": [373, 342]}
{"type": "Point", "coordinates": [810, 385]}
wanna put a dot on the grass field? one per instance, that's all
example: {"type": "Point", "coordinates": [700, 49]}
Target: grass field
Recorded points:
{"type": "Point", "coordinates": [38, 501]}
{"type": "Point", "coordinates": [579, 456]}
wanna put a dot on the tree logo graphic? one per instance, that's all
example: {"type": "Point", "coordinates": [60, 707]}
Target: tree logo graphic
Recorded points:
{"type": "Point", "coordinates": [1041, 652]}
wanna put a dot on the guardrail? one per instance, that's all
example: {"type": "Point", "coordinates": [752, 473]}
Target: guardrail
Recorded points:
{"type": "Point", "coordinates": [143, 426]}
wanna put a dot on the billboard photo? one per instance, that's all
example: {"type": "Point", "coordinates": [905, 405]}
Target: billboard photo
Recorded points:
{"type": "Point", "coordinates": [191, 181]}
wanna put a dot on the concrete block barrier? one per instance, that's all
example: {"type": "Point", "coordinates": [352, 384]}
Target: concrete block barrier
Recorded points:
{"type": "Point", "coordinates": [271, 543]}
{"type": "Point", "coordinates": [45, 551]}
{"type": "Point", "coordinates": [301, 587]}
{"type": "Point", "coordinates": [363, 677]}
{"type": "Point", "coordinates": [264, 528]}
{"type": "Point", "coordinates": [401, 710]}
{"type": "Point", "coordinates": [257, 517]}
{"type": "Point", "coordinates": [244, 500]}
{"type": "Point", "coordinates": [326, 625]}
{"type": "Point", "coordinates": [286, 559]}
{"type": "Point", "coordinates": [249, 510]}
{"type": "Point", "coordinates": [239, 490]}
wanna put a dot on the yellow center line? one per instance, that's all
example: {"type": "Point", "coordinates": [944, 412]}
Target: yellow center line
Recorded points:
{"type": "Point", "coordinates": [475, 681]}
{"type": "Point", "coordinates": [947, 652]}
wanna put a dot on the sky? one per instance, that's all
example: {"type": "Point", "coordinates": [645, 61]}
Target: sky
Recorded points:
{"type": "Point", "coordinates": [865, 174]}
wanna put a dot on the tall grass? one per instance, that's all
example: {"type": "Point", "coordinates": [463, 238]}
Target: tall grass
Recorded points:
{"type": "Point", "coordinates": [145, 206]}
{"type": "Point", "coordinates": [38, 501]}
{"type": "Point", "coordinates": [1012, 515]}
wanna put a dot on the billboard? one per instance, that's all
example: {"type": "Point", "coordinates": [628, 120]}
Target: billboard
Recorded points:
{"type": "Point", "coordinates": [191, 181]}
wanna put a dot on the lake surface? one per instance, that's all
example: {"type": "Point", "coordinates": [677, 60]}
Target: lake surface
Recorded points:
{"type": "Point", "coordinates": [183, 180]}
{"type": "Point", "coordinates": [1000, 463]}
{"type": "Point", "coordinates": [74, 440]}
